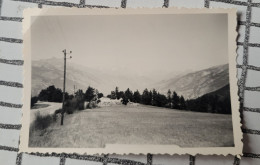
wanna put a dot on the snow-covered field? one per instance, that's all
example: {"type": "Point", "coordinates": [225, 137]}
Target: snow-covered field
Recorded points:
{"type": "Point", "coordinates": [44, 108]}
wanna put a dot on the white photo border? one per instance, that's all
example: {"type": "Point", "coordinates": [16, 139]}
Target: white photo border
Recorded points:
{"type": "Point", "coordinates": [133, 149]}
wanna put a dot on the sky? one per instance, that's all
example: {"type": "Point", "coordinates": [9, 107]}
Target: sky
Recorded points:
{"type": "Point", "coordinates": [136, 43]}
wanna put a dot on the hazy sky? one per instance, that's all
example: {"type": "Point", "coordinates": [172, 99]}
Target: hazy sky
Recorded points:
{"type": "Point", "coordinates": [137, 43]}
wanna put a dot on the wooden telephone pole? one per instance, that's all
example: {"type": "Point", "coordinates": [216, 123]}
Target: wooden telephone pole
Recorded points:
{"type": "Point", "coordinates": [64, 84]}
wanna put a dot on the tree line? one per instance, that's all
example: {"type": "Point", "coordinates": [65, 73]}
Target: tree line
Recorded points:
{"type": "Point", "coordinates": [72, 102]}
{"type": "Point", "coordinates": [214, 102]}
{"type": "Point", "coordinates": [150, 97]}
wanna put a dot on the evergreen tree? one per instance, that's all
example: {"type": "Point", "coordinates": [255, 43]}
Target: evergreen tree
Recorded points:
{"type": "Point", "coordinates": [121, 94]}
{"type": "Point", "coordinates": [182, 103]}
{"type": "Point", "coordinates": [137, 97]}
{"type": "Point", "coordinates": [169, 96]}
{"type": "Point", "coordinates": [169, 99]}
{"type": "Point", "coordinates": [124, 100]}
{"type": "Point", "coordinates": [89, 94]}
{"type": "Point", "coordinates": [146, 97]}
{"type": "Point", "coordinates": [117, 93]}
{"type": "Point", "coordinates": [161, 100]}
{"type": "Point", "coordinates": [175, 101]}
{"type": "Point", "coordinates": [150, 97]}
{"type": "Point", "coordinates": [129, 94]}
{"type": "Point", "coordinates": [154, 98]}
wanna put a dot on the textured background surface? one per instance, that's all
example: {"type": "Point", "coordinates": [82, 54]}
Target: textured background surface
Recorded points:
{"type": "Point", "coordinates": [11, 63]}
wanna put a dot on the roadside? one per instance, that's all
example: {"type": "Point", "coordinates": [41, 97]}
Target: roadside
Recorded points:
{"type": "Point", "coordinates": [44, 108]}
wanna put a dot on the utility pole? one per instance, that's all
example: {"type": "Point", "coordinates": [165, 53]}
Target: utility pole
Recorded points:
{"type": "Point", "coordinates": [64, 84]}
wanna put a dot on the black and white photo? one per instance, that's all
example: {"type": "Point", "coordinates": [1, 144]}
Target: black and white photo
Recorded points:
{"type": "Point", "coordinates": [131, 78]}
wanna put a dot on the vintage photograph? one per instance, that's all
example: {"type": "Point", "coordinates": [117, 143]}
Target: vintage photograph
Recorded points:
{"type": "Point", "coordinates": [131, 79]}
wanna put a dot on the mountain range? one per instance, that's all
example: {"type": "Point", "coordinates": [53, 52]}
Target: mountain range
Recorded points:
{"type": "Point", "coordinates": [196, 84]}
{"type": "Point", "coordinates": [50, 72]}
{"type": "Point", "coordinates": [191, 85]}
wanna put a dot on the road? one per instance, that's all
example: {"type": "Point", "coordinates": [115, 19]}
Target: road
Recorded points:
{"type": "Point", "coordinates": [44, 108]}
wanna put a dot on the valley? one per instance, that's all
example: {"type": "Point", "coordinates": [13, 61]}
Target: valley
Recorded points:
{"type": "Point", "coordinates": [191, 85]}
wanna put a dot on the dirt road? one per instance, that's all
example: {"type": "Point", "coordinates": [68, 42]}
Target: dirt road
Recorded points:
{"type": "Point", "coordinates": [44, 108]}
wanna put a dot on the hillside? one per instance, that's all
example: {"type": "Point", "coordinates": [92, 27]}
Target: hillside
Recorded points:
{"type": "Point", "coordinates": [191, 85]}
{"type": "Point", "coordinates": [214, 102]}
{"type": "Point", "coordinates": [196, 84]}
{"type": "Point", "coordinates": [50, 72]}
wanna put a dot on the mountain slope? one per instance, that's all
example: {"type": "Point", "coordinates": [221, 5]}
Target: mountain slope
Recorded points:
{"type": "Point", "coordinates": [50, 72]}
{"type": "Point", "coordinates": [214, 102]}
{"type": "Point", "coordinates": [195, 84]}
{"type": "Point", "coordinates": [191, 85]}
